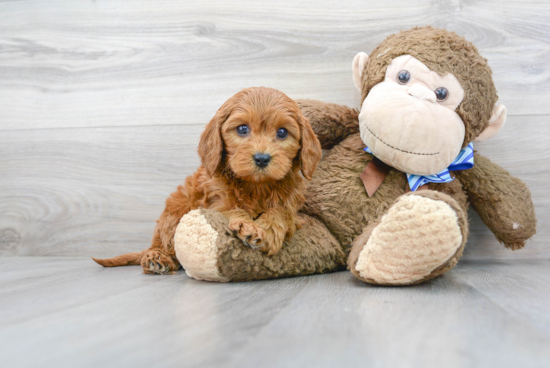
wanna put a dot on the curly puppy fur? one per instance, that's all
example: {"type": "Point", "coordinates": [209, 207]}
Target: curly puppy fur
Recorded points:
{"type": "Point", "coordinates": [261, 203]}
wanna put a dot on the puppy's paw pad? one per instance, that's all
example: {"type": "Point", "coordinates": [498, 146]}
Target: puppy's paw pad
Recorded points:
{"type": "Point", "coordinates": [155, 262]}
{"type": "Point", "coordinates": [235, 225]}
{"type": "Point", "coordinates": [271, 246]}
{"type": "Point", "coordinates": [249, 232]}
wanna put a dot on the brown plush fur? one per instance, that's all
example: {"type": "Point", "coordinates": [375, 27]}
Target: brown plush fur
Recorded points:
{"type": "Point", "coordinates": [336, 197]}
{"type": "Point", "coordinates": [261, 203]}
{"type": "Point", "coordinates": [502, 201]}
{"type": "Point", "coordinates": [332, 121]}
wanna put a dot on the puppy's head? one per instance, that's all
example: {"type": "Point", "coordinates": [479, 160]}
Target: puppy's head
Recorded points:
{"type": "Point", "coordinates": [260, 134]}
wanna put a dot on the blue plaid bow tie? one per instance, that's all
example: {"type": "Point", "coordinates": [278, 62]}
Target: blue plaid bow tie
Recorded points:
{"type": "Point", "coordinates": [464, 161]}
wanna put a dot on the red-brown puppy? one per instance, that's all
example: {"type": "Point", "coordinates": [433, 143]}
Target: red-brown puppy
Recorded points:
{"type": "Point", "coordinates": [254, 153]}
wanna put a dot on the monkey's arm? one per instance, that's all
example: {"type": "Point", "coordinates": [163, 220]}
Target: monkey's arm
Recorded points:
{"type": "Point", "coordinates": [502, 201]}
{"type": "Point", "coordinates": [331, 123]}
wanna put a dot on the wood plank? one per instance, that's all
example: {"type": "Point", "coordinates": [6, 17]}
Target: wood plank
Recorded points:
{"type": "Point", "coordinates": [119, 63]}
{"type": "Point", "coordinates": [134, 319]}
{"type": "Point", "coordinates": [98, 191]}
{"type": "Point", "coordinates": [480, 314]}
{"type": "Point", "coordinates": [520, 289]}
{"type": "Point", "coordinates": [81, 191]}
{"type": "Point", "coordinates": [442, 323]}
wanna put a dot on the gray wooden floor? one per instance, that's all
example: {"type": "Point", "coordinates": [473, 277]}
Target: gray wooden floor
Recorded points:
{"type": "Point", "coordinates": [102, 102]}
{"type": "Point", "coordinates": [69, 312]}
{"type": "Point", "coordinates": [101, 106]}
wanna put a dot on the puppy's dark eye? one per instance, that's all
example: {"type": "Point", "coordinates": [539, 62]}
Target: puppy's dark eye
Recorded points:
{"type": "Point", "coordinates": [441, 93]}
{"type": "Point", "coordinates": [282, 133]}
{"type": "Point", "coordinates": [403, 77]}
{"type": "Point", "coordinates": [243, 130]}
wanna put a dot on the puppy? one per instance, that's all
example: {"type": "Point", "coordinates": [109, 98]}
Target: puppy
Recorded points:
{"type": "Point", "coordinates": [255, 154]}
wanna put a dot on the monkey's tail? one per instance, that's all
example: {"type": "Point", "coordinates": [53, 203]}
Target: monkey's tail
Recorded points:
{"type": "Point", "coordinates": [123, 260]}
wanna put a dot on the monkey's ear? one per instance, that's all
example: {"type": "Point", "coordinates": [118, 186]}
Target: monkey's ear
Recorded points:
{"type": "Point", "coordinates": [498, 118]}
{"type": "Point", "coordinates": [359, 62]}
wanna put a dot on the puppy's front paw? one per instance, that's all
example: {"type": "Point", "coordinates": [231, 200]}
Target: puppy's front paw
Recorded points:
{"type": "Point", "coordinates": [273, 241]}
{"type": "Point", "coordinates": [272, 245]}
{"type": "Point", "coordinates": [249, 232]}
{"type": "Point", "coordinates": [155, 262]}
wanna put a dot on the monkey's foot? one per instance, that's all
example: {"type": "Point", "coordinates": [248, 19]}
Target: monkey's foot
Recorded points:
{"type": "Point", "coordinates": [421, 236]}
{"type": "Point", "coordinates": [196, 243]}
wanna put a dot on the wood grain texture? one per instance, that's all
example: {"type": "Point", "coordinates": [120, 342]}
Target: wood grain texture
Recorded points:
{"type": "Point", "coordinates": [97, 191]}
{"type": "Point", "coordinates": [68, 312]}
{"type": "Point", "coordinates": [102, 102]}
{"type": "Point", "coordinates": [120, 63]}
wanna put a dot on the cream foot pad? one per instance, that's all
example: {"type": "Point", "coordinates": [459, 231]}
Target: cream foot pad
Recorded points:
{"type": "Point", "coordinates": [415, 237]}
{"type": "Point", "coordinates": [196, 249]}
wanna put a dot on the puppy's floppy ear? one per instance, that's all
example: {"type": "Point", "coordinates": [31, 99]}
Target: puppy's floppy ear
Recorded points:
{"type": "Point", "coordinates": [211, 143]}
{"type": "Point", "coordinates": [310, 152]}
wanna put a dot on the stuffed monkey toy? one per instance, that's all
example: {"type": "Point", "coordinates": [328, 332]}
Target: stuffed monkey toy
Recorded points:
{"type": "Point", "coordinates": [390, 197]}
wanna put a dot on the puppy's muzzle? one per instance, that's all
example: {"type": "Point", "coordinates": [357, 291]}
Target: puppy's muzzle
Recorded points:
{"type": "Point", "coordinates": [262, 159]}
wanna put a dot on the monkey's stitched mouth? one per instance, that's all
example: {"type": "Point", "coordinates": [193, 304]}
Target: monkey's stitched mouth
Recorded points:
{"type": "Point", "coordinates": [395, 148]}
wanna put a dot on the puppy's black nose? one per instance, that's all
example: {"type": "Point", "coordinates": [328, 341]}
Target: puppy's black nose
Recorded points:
{"type": "Point", "coordinates": [261, 159]}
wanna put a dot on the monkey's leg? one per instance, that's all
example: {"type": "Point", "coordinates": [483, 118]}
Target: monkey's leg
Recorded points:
{"type": "Point", "coordinates": [420, 237]}
{"type": "Point", "coordinates": [208, 250]}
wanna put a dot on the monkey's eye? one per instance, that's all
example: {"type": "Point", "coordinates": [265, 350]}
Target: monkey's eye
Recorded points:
{"type": "Point", "coordinates": [243, 130]}
{"type": "Point", "coordinates": [282, 133]}
{"type": "Point", "coordinates": [403, 77]}
{"type": "Point", "coordinates": [441, 93]}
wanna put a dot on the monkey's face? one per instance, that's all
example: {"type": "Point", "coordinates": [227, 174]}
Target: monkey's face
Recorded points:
{"type": "Point", "coordinates": [409, 121]}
